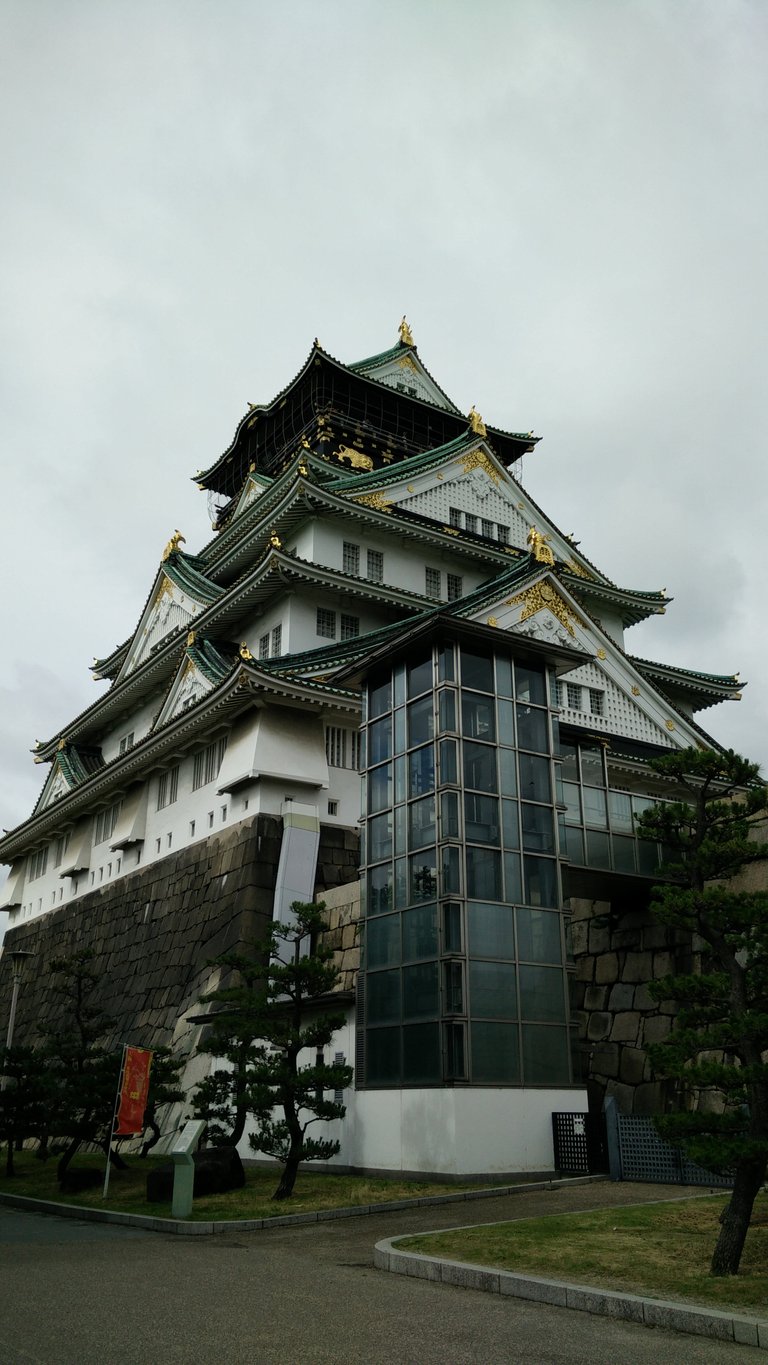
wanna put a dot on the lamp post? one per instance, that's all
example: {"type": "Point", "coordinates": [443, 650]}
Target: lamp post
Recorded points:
{"type": "Point", "coordinates": [18, 958]}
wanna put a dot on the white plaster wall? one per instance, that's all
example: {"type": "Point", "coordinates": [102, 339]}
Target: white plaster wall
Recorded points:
{"type": "Point", "coordinates": [139, 721]}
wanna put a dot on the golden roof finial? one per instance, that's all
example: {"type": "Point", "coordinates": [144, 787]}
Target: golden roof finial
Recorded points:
{"type": "Point", "coordinates": [275, 541]}
{"type": "Point", "coordinates": [476, 422]}
{"type": "Point", "coordinates": [191, 637]}
{"type": "Point", "coordinates": [541, 551]}
{"type": "Point", "coordinates": [175, 541]}
{"type": "Point", "coordinates": [61, 743]}
{"type": "Point", "coordinates": [405, 333]}
{"type": "Point", "coordinates": [245, 652]}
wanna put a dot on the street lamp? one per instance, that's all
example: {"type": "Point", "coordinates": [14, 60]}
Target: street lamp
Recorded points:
{"type": "Point", "coordinates": [18, 958]}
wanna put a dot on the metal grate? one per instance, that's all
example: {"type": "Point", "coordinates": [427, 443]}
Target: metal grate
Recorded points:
{"type": "Point", "coordinates": [646, 1156]}
{"type": "Point", "coordinates": [569, 1135]}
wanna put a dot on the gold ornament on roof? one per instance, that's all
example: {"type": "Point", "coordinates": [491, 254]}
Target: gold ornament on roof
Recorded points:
{"type": "Point", "coordinates": [670, 724]}
{"type": "Point", "coordinates": [540, 548]}
{"type": "Point", "coordinates": [275, 541]}
{"type": "Point", "coordinates": [476, 422]}
{"type": "Point", "coordinates": [601, 654]}
{"type": "Point", "coordinates": [191, 637]}
{"type": "Point", "coordinates": [356, 458]}
{"type": "Point", "coordinates": [577, 568]}
{"type": "Point", "coordinates": [405, 333]}
{"type": "Point", "coordinates": [635, 691]}
{"type": "Point", "coordinates": [61, 744]}
{"type": "Point", "coordinates": [245, 652]}
{"type": "Point", "coordinates": [303, 469]}
{"type": "Point", "coordinates": [477, 459]}
{"type": "Point", "coordinates": [375, 500]}
{"type": "Point", "coordinates": [543, 597]}
{"type": "Point", "coordinates": [175, 541]}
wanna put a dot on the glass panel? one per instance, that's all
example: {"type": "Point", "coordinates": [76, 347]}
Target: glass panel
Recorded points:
{"type": "Point", "coordinates": [513, 882]}
{"type": "Point", "coordinates": [532, 729]}
{"type": "Point", "coordinates": [399, 829]}
{"type": "Point", "coordinates": [541, 882]}
{"type": "Point", "coordinates": [595, 810]}
{"type": "Point", "coordinates": [380, 837]}
{"type": "Point", "coordinates": [448, 761]}
{"type": "Point", "coordinates": [538, 936]}
{"type": "Point", "coordinates": [420, 997]}
{"type": "Point", "coordinates": [380, 889]}
{"type": "Point", "coordinates": [508, 772]}
{"type": "Point", "coordinates": [400, 791]}
{"type": "Point", "coordinates": [382, 942]}
{"type": "Point", "coordinates": [446, 670]}
{"type": "Point", "coordinates": [504, 675]}
{"type": "Point", "coordinates": [574, 845]}
{"type": "Point", "coordinates": [506, 721]}
{"type": "Point", "coordinates": [492, 990]}
{"type": "Point", "coordinates": [538, 828]}
{"type": "Point", "coordinates": [420, 721]}
{"type": "Point", "coordinates": [400, 744]}
{"type": "Point", "coordinates": [491, 930]}
{"type": "Point", "coordinates": [570, 756]}
{"type": "Point", "coordinates": [421, 770]}
{"type": "Point", "coordinates": [484, 873]}
{"type": "Point", "coordinates": [592, 765]}
{"type": "Point", "coordinates": [380, 787]}
{"type": "Point", "coordinates": [451, 928]}
{"type": "Point", "coordinates": [451, 864]}
{"type": "Point", "coordinates": [453, 988]}
{"type": "Point", "coordinates": [620, 809]}
{"type": "Point", "coordinates": [421, 1053]}
{"type": "Point", "coordinates": [481, 819]}
{"type": "Point", "coordinates": [545, 1055]}
{"type": "Point", "coordinates": [479, 766]}
{"type": "Point", "coordinates": [420, 677]}
{"type": "Point", "coordinates": [647, 857]}
{"type": "Point", "coordinates": [421, 822]}
{"type": "Point", "coordinates": [423, 876]}
{"type": "Point", "coordinates": [401, 883]}
{"type": "Point", "coordinates": [541, 994]}
{"type": "Point", "coordinates": [447, 710]}
{"type": "Point", "coordinates": [380, 740]}
{"type": "Point", "coordinates": [495, 1053]}
{"type": "Point", "coordinates": [510, 824]}
{"type": "Point", "coordinates": [477, 670]}
{"type": "Point", "coordinates": [382, 1062]}
{"type": "Point", "coordinates": [420, 932]}
{"type": "Point", "coordinates": [623, 853]}
{"type": "Point", "coordinates": [383, 992]}
{"type": "Point", "coordinates": [478, 720]}
{"type": "Point", "coordinates": [398, 680]}
{"type": "Point", "coordinates": [535, 782]}
{"type": "Point", "coordinates": [598, 849]}
{"type": "Point", "coordinates": [572, 799]}
{"type": "Point", "coordinates": [455, 1052]}
{"type": "Point", "coordinates": [449, 815]}
{"type": "Point", "coordinates": [530, 684]}
{"type": "Point", "coordinates": [379, 698]}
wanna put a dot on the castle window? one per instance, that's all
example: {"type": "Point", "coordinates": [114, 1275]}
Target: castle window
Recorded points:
{"type": "Point", "coordinates": [326, 623]}
{"type": "Point", "coordinates": [350, 627]}
{"type": "Point", "coordinates": [277, 641]}
{"type": "Point", "coordinates": [104, 826]}
{"type": "Point", "coordinates": [342, 747]}
{"type": "Point", "coordinates": [207, 763]}
{"type": "Point", "coordinates": [432, 583]}
{"type": "Point", "coordinates": [489, 529]}
{"type": "Point", "coordinates": [455, 517]}
{"type": "Point", "coordinates": [470, 522]}
{"type": "Point", "coordinates": [167, 787]}
{"type": "Point", "coordinates": [351, 558]}
{"type": "Point", "coordinates": [38, 864]}
{"type": "Point", "coordinates": [264, 646]}
{"type": "Point", "coordinates": [596, 701]}
{"type": "Point", "coordinates": [502, 533]}
{"type": "Point", "coordinates": [454, 586]}
{"type": "Point", "coordinates": [574, 696]}
{"type": "Point", "coordinates": [333, 807]}
{"type": "Point", "coordinates": [126, 743]}
{"type": "Point", "coordinates": [375, 566]}
{"type": "Point", "coordinates": [59, 849]}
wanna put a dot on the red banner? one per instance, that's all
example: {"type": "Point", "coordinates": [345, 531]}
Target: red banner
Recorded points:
{"type": "Point", "coordinates": [133, 1092]}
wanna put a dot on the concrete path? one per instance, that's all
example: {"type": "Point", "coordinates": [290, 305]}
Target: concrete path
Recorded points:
{"type": "Point", "coordinates": [75, 1293]}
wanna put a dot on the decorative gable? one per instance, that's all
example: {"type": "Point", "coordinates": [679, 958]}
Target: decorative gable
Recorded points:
{"type": "Point", "coordinates": [254, 487]}
{"type": "Point", "coordinates": [189, 686]}
{"type": "Point", "coordinates": [406, 373]}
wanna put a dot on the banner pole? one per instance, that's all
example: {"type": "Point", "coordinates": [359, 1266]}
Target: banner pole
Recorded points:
{"type": "Point", "coordinates": [114, 1117]}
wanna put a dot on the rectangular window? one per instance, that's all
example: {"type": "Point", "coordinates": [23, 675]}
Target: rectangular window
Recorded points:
{"type": "Point", "coordinates": [264, 646]}
{"type": "Point", "coordinates": [104, 826]}
{"type": "Point", "coordinates": [350, 627]}
{"type": "Point", "coordinates": [208, 762]}
{"type": "Point", "coordinates": [167, 787]}
{"type": "Point", "coordinates": [574, 696]}
{"type": "Point", "coordinates": [489, 529]}
{"type": "Point", "coordinates": [59, 849]}
{"type": "Point", "coordinates": [126, 743]}
{"type": "Point", "coordinates": [333, 807]}
{"type": "Point", "coordinates": [326, 623]}
{"type": "Point", "coordinates": [375, 566]}
{"type": "Point", "coordinates": [351, 558]}
{"type": "Point", "coordinates": [38, 864]}
{"type": "Point", "coordinates": [277, 641]}
{"type": "Point", "coordinates": [470, 522]}
{"type": "Point", "coordinates": [596, 701]}
{"type": "Point", "coordinates": [432, 583]}
{"type": "Point", "coordinates": [559, 694]}
{"type": "Point", "coordinates": [502, 533]}
{"type": "Point", "coordinates": [455, 517]}
{"type": "Point", "coordinates": [455, 583]}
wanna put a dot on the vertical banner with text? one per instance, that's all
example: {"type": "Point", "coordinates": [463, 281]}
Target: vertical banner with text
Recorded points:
{"type": "Point", "coordinates": [132, 1099]}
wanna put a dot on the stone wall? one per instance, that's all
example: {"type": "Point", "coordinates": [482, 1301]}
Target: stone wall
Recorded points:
{"type": "Point", "coordinates": [342, 911]}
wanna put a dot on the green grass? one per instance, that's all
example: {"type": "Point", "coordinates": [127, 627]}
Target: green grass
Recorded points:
{"type": "Point", "coordinates": [659, 1250]}
{"type": "Point", "coordinates": [127, 1190]}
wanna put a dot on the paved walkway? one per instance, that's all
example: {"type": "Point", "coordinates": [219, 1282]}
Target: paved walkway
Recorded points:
{"type": "Point", "coordinates": [75, 1293]}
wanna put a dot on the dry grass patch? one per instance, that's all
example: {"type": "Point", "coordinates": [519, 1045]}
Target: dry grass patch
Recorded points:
{"type": "Point", "coordinates": [661, 1250]}
{"type": "Point", "coordinates": [127, 1190]}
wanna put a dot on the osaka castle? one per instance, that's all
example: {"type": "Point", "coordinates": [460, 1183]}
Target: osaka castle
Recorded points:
{"type": "Point", "coordinates": [390, 682]}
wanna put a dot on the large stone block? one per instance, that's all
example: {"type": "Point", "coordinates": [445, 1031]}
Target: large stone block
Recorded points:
{"type": "Point", "coordinates": [599, 1027]}
{"type": "Point", "coordinates": [606, 968]}
{"type": "Point", "coordinates": [595, 997]}
{"type": "Point", "coordinates": [637, 967]}
{"type": "Point", "coordinates": [621, 997]}
{"type": "Point", "coordinates": [625, 1027]}
{"type": "Point", "coordinates": [632, 1066]}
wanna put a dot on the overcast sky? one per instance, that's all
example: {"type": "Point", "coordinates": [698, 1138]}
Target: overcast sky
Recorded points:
{"type": "Point", "coordinates": [566, 197]}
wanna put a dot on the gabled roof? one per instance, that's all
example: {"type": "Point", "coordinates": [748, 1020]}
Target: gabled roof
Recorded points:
{"type": "Point", "coordinates": [700, 690]}
{"type": "Point", "coordinates": [403, 356]}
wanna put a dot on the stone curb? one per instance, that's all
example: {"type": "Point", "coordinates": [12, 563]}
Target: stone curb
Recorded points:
{"type": "Point", "coordinates": [677, 1317]}
{"type": "Point", "coordinates": [206, 1229]}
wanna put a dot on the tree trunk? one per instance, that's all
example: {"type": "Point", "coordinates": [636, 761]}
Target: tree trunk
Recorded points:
{"type": "Point", "coordinates": [66, 1158]}
{"type": "Point", "coordinates": [9, 1170]}
{"type": "Point", "coordinates": [736, 1216]}
{"type": "Point", "coordinates": [288, 1178]}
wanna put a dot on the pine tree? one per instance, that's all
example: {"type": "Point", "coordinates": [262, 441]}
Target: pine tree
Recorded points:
{"type": "Point", "coordinates": [274, 1010]}
{"type": "Point", "coordinates": [718, 1049]}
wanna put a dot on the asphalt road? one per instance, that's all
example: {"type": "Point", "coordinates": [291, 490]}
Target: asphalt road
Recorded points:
{"type": "Point", "coordinates": [75, 1293]}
